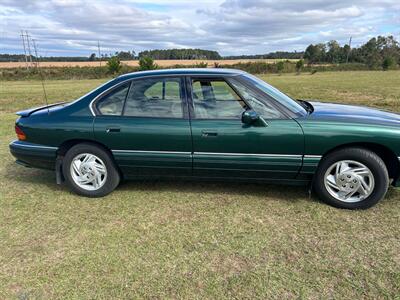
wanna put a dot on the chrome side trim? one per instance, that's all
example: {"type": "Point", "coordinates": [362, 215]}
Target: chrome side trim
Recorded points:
{"type": "Point", "coordinates": [90, 107]}
{"type": "Point", "coordinates": [293, 156]}
{"type": "Point", "coordinates": [313, 156]}
{"type": "Point", "coordinates": [250, 154]}
{"type": "Point", "coordinates": [23, 145]}
{"type": "Point", "coordinates": [150, 152]}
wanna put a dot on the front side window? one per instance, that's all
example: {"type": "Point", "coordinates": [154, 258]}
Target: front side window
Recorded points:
{"type": "Point", "coordinates": [261, 106]}
{"type": "Point", "coordinates": [112, 103]}
{"type": "Point", "coordinates": [282, 98]}
{"type": "Point", "coordinates": [215, 99]}
{"type": "Point", "coordinates": [155, 97]}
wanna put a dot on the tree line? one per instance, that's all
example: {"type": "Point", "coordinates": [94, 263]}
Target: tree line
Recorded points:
{"type": "Point", "coordinates": [271, 55]}
{"type": "Point", "coordinates": [180, 54]}
{"type": "Point", "coordinates": [378, 52]}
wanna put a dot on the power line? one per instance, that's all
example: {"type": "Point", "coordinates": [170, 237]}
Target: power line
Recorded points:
{"type": "Point", "coordinates": [26, 43]}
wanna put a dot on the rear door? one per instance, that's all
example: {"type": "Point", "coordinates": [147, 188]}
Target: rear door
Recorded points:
{"type": "Point", "coordinates": [225, 147]}
{"type": "Point", "coordinates": [145, 123]}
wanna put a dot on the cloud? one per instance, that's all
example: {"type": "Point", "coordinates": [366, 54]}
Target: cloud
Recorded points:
{"type": "Point", "coordinates": [72, 27]}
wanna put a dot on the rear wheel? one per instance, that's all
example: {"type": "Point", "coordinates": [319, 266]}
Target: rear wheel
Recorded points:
{"type": "Point", "coordinates": [90, 171]}
{"type": "Point", "coordinates": [353, 178]}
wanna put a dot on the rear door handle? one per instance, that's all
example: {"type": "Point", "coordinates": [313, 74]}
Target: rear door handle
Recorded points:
{"type": "Point", "coordinates": [208, 133]}
{"type": "Point", "coordinates": [113, 129]}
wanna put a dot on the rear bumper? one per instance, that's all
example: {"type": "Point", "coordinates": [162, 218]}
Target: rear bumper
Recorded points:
{"type": "Point", "coordinates": [34, 155]}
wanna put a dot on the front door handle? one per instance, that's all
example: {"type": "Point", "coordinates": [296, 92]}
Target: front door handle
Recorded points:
{"type": "Point", "coordinates": [208, 133]}
{"type": "Point", "coordinates": [113, 129]}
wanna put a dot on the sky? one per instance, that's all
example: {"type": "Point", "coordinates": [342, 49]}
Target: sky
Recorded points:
{"type": "Point", "coordinates": [232, 27]}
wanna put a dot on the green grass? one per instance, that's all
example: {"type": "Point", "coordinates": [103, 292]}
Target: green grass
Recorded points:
{"type": "Point", "coordinates": [194, 240]}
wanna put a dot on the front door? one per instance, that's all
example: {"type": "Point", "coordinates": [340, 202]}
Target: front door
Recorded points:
{"type": "Point", "coordinates": [145, 124]}
{"type": "Point", "coordinates": [224, 147]}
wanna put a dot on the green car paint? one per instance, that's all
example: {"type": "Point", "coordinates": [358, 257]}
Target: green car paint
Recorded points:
{"type": "Point", "coordinates": [236, 148]}
{"type": "Point", "coordinates": [144, 146]}
{"type": "Point", "coordinates": [284, 150]}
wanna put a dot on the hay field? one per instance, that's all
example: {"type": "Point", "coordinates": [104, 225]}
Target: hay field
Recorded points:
{"type": "Point", "coordinates": [161, 63]}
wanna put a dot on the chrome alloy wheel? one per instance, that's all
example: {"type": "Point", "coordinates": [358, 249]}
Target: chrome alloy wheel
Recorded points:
{"type": "Point", "coordinates": [349, 181]}
{"type": "Point", "coordinates": [88, 171]}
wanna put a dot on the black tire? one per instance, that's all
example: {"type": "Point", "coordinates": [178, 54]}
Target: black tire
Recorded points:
{"type": "Point", "coordinates": [113, 176]}
{"type": "Point", "coordinates": [364, 156]}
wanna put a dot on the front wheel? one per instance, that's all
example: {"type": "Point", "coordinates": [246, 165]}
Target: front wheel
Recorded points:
{"type": "Point", "coordinates": [353, 178]}
{"type": "Point", "coordinates": [90, 171]}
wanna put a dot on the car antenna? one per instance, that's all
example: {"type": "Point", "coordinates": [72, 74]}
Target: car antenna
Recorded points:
{"type": "Point", "coordinates": [41, 75]}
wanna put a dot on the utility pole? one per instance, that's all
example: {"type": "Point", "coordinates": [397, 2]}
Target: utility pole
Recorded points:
{"type": "Point", "coordinates": [348, 52]}
{"type": "Point", "coordinates": [23, 43]}
{"type": "Point", "coordinates": [98, 48]}
{"type": "Point", "coordinates": [28, 38]}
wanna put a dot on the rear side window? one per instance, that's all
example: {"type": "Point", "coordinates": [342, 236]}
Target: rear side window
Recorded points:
{"type": "Point", "coordinates": [215, 99]}
{"type": "Point", "coordinates": [155, 97]}
{"type": "Point", "coordinates": [113, 103]}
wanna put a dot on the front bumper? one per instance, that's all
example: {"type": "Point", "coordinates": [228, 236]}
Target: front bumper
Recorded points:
{"type": "Point", "coordinates": [34, 155]}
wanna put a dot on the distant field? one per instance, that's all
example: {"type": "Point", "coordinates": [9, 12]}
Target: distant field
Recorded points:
{"type": "Point", "coordinates": [194, 240]}
{"type": "Point", "coordinates": [161, 63]}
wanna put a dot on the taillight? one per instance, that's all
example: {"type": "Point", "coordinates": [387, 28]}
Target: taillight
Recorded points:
{"type": "Point", "coordinates": [20, 134]}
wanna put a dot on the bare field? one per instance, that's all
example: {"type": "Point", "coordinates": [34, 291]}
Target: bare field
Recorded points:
{"type": "Point", "coordinates": [134, 63]}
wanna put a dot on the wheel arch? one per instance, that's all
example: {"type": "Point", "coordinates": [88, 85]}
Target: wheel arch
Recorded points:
{"type": "Point", "coordinates": [68, 144]}
{"type": "Point", "coordinates": [385, 153]}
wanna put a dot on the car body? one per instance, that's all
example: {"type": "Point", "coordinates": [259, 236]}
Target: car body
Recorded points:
{"type": "Point", "coordinates": [214, 124]}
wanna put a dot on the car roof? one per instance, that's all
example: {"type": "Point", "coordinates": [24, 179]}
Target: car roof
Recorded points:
{"type": "Point", "coordinates": [184, 71]}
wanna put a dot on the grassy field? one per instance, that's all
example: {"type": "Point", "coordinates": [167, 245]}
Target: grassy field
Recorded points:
{"type": "Point", "coordinates": [194, 240]}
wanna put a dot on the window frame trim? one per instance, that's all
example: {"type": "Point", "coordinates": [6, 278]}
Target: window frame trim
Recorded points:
{"type": "Point", "coordinates": [106, 93]}
{"type": "Point", "coordinates": [286, 112]}
{"type": "Point", "coordinates": [211, 77]}
{"type": "Point", "coordinates": [184, 98]}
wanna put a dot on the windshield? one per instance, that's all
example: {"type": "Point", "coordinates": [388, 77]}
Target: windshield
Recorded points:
{"type": "Point", "coordinates": [282, 98]}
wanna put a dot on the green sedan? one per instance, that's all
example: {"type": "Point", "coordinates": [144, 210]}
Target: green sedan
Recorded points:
{"type": "Point", "coordinates": [212, 124]}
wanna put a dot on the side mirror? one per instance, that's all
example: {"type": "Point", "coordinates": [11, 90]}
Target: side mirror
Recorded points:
{"type": "Point", "coordinates": [250, 116]}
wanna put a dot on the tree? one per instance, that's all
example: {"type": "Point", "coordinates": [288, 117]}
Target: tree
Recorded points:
{"type": "Point", "coordinates": [217, 65]}
{"type": "Point", "coordinates": [388, 63]}
{"type": "Point", "coordinates": [114, 64]}
{"type": "Point", "coordinates": [315, 53]}
{"type": "Point", "coordinates": [124, 55]}
{"type": "Point", "coordinates": [180, 54]}
{"type": "Point", "coordinates": [372, 53]}
{"type": "Point", "coordinates": [147, 63]}
{"type": "Point", "coordinates": [92, 57]}
{"type": "Point", "coordinates": [335, 52]}
{"type": "Point", "coordinates": [201, 64]}
{"type": "Point", "coordinates": [299, 65]}
{"type": "Point", "coordinates": [280, 66]}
